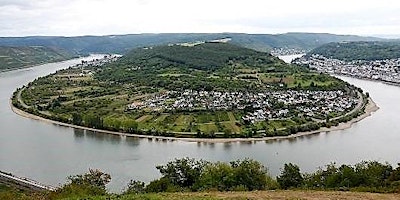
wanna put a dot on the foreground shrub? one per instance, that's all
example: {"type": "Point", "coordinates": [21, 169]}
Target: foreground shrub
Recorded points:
{"type": "Point", "coordinates": [93, 183]}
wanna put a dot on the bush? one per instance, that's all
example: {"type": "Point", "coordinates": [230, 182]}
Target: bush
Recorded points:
{"type": "Point", "coordinates": [90, 184]}
{"type": "Point", "coordinates": [162, 185]}
{"type": "Point", "coordinates": [135, 187]}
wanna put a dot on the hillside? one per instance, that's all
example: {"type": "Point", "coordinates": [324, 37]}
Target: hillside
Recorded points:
{"type": "Point", "coordinates": [124, 43]}
{"type": "Point", "coordinates": [18, 57]}
{"type": "Point", "coordinates": [350, 51]}
{"type": "Point", "coordinates": [193, 90]}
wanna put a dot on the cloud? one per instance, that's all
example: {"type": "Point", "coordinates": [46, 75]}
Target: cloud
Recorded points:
{"type": "Point", "coordinates": [101, 17]}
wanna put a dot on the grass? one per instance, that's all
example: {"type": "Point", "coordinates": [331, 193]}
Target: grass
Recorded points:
{"type": "Point", "coordinates": [208, 128]}
{"type": "Point", "coordinates": [144, 118]}
{"type": "Point", "coordinates": [231, 117]}
{"type": "Point", "coordinates": [255, 195]}
{"type": "Point", "coordinates": [232, 127]}
{"type": "Point", "coordinates": [184, 120]}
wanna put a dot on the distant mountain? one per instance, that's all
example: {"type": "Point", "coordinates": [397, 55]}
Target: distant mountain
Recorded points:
{"type": "Point", "coordinates": [124, 43]}
{"type": "Point", "coordinates": [349, 51]}
{"type": "Point", "coordinates": [18, 57]}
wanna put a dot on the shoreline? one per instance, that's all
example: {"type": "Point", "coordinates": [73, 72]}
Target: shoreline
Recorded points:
{"type": "Point", "coordinates": [370, 108]}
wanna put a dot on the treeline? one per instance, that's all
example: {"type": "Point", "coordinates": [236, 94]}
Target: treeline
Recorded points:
{"type": "Point", "coordinates": [187, 175]}
{"type": "Point", "coordinates": [350, 51]}
{"type": "Point", "coordinates": [191, 175]}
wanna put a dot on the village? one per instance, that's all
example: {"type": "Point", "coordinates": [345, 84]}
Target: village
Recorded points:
{"type": "Point", "coordinates": [382, 70]}
{"type": "Point", "coordinates": [258, 106]}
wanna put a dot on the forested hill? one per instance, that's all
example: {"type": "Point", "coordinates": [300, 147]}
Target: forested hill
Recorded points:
{"type": "Point", "coordinates": [202, 66]}
{"type": "Point", "coordinates": [206, 56]}
{"type": "Point", "coordinates": [349, 51]}
{"type": "Point", "coordinates": [18, 57]}
{"type": "Point", "coordinates": [124, 43]}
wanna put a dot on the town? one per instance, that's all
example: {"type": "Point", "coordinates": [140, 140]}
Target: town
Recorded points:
{"type": "Point", "coordinates": [258, 106]}
{"type": "Point", "coordinates": [381, 70]}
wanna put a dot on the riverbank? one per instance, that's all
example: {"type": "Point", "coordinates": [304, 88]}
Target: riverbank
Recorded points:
{"type": "Point", "coordinates": [369, 109]}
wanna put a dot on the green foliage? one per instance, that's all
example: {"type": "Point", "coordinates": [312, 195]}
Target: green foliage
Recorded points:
{"type": "Point", "coordinates": [350, 51]}
{"type": "Point", "coordinates": [123, 43]}
{"type": "Point", "coordinates": [100, 100]}
{"type": "Point", "coordinates": [290, 176]}
{"type": "Point", "coordinates": [17, 57]}
{"type": "Point", "coordinates": [249, 173]}
{"type": "Point", "coordinates": [9, 192]}
{"type": "Point", "coordinates": [239, 175]}
{"type": "Point", "coordinates": [90, 184]}
{"type": "Point", "coordinates": [182, 172]}
{"type": "Point", "coordinates": [370, 175]}
{"type": "Point", "coordinates": [162, 185]}
{"type": "Point", "coordinates": [135, 187]}
{"type": "Point", "coordinates": [219, 176]}
{"type": "Point", "coordinates": [189, 67]}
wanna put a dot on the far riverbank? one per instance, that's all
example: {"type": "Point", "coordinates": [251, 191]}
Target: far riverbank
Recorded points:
{"type": "Point", "coordinates": [369, 109]}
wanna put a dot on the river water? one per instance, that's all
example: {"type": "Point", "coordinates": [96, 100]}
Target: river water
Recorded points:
{"type": "Point", "coordinates": [48, 153]}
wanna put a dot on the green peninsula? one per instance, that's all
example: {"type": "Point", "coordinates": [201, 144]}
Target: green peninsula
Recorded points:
{"type": "Point", "coordinates": [204, 89]}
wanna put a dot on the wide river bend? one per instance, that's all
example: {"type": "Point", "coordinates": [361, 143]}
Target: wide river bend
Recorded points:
{"type": "Point", "coordinates": [48, 153]}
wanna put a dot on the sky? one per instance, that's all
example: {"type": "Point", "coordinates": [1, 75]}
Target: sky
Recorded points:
{"type": "Point", "coordinates": [109, 17]}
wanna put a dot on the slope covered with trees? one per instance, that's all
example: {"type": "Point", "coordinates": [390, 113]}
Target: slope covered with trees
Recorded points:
{"type": "Point", "coordinates": [350, 51]}
{"type": "Point", "coordinates": [124, 43]}
{"type": "Point", "coordinates": [18, 57]}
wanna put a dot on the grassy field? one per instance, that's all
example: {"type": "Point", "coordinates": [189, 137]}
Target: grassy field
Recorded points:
{"type": "Point", "coordinates": [182, 122]}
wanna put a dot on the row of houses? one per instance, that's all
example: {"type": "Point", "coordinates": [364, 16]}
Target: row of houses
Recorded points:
{"type": "Point", "coordinates": [383, 70]}
{"type": "Point", "coordinates": [260, 106]}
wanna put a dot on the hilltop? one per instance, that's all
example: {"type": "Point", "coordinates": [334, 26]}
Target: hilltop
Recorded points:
{"type": "Point", "coordinates": [18, 57]}
{"type": "Point", "coordinates": [351, 51]}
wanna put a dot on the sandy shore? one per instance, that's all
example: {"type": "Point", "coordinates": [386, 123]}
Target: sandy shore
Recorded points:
{"type": "Point", "coordinates": [369, 109]}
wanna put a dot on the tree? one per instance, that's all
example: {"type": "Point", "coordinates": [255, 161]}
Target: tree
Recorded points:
{"type": "Point", "coordinates": [218, 176]}
{"type": "Point", "coordinates": [290, 176]}
{"type": "Point", "coordinates": [76, 119]}
{"type": "Point", "coordinates": [250, 173]}
{"type": "Point", "coordinates": [182, 172]}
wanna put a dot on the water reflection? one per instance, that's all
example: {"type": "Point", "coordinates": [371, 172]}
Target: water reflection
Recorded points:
{"type": "Point", "coordinates": [132, 141]}
{"type": "Point", "coordinates": [79, 135]}
{"type": "Point", "coordinates": [97, 136]}
{"type": "Point", "coordinates": [227, 145]}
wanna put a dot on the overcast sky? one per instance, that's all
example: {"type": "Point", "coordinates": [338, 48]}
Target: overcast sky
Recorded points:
{"type": "Point", "coordinates": [106, 17]}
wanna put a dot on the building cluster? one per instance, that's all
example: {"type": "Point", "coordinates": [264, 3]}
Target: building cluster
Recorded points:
{"type": "Point", "coordinates": [260, 106]}
{"type": "Point", "coordinates": [98, 61]}
{"type": "Point", "coordinates": [383, 70]}
{"type": "Point", "coordinates": [304, 103]}
{"type": "Point", "coordinates": [286, 51]}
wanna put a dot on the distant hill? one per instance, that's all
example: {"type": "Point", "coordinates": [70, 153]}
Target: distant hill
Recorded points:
{"type": "Point", "coordinates": [18, 57]}
{"type": "Point", "coordinates": [349, 51]}
{"type": "Point", "coordinates": [124, 43]}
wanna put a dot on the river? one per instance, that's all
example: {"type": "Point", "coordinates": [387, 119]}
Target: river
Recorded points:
{"type": "Point", "coordinates": [49, 153]}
